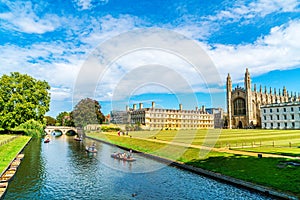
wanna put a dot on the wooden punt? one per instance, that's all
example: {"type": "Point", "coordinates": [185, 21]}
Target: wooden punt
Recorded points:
{"type": "Point", "coordinates": [15, 163]}
{"type": "Point", "coordinates": [20, 156]}
{"type": "Point", "coordinates": [7, 176]}
{"type": "Point", "coordinates": [119, 156]}
{"type": "Point", "coordinates": [91, 149]}
{"type": "Point", "coordinates": [3, 188]}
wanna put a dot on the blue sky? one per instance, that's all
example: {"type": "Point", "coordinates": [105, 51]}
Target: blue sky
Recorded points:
{"type": "Point", "coordinates": [51, 40]}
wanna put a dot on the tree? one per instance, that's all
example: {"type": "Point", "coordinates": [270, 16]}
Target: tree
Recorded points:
{"type": "Point", "coordinates": [87, 111]}
{"type": "Point", "coordinates": [50, 121]}
{"type": "Point", "coordinates": [22, 98]}
{"type": "Point", "coordinates": [64, 119]}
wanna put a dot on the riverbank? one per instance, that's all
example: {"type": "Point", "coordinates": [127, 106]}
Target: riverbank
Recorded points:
{"type": "Point", "coordinates": [260, 174]}
{"type": "Point", "coordinates": [9, 150]}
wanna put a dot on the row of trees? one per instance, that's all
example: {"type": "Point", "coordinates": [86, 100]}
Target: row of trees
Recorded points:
{"type": "Point", "coordinates": [25, 100]}
{"type": "Point", "coordinates": [87, 111]}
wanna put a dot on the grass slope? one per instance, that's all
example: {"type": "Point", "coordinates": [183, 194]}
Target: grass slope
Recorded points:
{"type": "Point", "coordinates": [9, 151]}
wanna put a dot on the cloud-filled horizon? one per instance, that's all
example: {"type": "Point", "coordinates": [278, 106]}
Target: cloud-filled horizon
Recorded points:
{"type": "Point", "coordinates": [53, 40]}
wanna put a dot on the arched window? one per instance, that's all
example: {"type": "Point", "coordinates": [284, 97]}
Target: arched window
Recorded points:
{"type": "Point", "coordinates": [239, 107]}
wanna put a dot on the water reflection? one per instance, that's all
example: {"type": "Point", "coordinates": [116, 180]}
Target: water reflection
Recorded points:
{"type": "Point", "coordinates": [62, 169]}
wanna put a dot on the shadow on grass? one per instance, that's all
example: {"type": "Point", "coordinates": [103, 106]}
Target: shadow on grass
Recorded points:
{"type": "Point", "coordinates": [263, 171]}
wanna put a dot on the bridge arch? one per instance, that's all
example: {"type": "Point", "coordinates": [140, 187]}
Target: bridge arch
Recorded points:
{"type": "Point", "coordinates": [63, 129]}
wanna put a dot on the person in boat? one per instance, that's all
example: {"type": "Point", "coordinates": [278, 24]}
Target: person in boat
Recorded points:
{"type": "Point", "coordinates": [129, 154]}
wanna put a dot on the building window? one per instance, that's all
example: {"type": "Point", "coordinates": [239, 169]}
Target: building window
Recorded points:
{"type": "Point", "coordinates": [277, 117]}
{"type": "Point", "coordinates": [265, 110]}
{"type": "Point", "coordinates": [271, 117]}
{"type": "Point", "coordinates": [271, 125]}
{"type": "Point", "coordinates": [265, 118]}
{"type": "Point", "coordinates": [285, 125]}
{"type": "Point", "coordinates": [271, 110]}
{"type": "Point", "coordinates": [293, 124]}
{"type": "Point", "coordinates": [278, 125]}
{"type": "Point", "coordinates": [292, 116]}
{"type": "Point", "coordinates": [277, 109]}
{"type": "Point", "coordinates": [239, 106]}
{"type": "Point", "coordinates": [284, 116]}
{"type": "Point", "coordinates": [284, 109]}
{"type": "Point", "coordinates": [265, 125]}
{"type": "Point", "coordinates": [292, 109]}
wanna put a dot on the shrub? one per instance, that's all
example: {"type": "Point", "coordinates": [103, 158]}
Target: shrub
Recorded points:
{"type": "Point", "coordinates": [31, 128]}
{"type": "Point", "coordinates": [110, 129]}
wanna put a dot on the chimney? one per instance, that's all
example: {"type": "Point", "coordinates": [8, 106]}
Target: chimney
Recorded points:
{"type": "Point", "coordinates": [180, 107]}
{"type": "Point", "coordinates": [153, 104]}
{"type": "Point", "coordinates": [203, 108]}
{"type": "Point", "coordinates": [196, 108]}
{"type": "Point", "coordinates": [134, 106]}
{"type": "Point", "coordinates": [141, 106]}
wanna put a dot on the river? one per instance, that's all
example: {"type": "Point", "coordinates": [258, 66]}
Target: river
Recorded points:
{"type": "Point", "coordinates": [62, 169]}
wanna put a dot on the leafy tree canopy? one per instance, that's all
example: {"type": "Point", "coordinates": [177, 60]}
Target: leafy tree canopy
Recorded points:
{"type": "Point", "coordinates": [87, 111]}
{"type": "Point", "coordinates": [22, 98]}
{"type": "Point", "coordinates": [64, 119]}
{"type": "Point", "coordinates": [50, 121]}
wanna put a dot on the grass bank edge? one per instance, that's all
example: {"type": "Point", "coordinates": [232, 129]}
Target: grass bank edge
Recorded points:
{"type": "Point", "coordinates": [10, 150]}
{"type": "Point", "coordinates": [261, 171]}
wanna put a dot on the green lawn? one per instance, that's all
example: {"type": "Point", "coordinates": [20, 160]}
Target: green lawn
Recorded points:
{"type": "Point", "coordinates": [271, 172]}
{"type": "Point", "coordinates": [6, 137]}
{"type": "Point", "coordinates": [9, 151]}
{"type": "Point", "coordinates": [287, 151]}
{"type": "Point", "coordinates": [226, 137]}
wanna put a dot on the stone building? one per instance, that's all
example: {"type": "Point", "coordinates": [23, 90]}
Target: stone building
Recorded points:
{"type": "Point", "coordinates": [218, 116]}
{"type": "Point", "coordinates": [119, 117]}
{"type": "Point", "coordinates": [281, 115]}
{"type": "Point", "coordinates": [158, 118]}
{"type": "Point", "coordinates": [243, 104]}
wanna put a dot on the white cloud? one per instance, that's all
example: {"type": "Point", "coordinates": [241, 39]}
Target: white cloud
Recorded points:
{"type": "Point", "coordinates": [106, 27]}
{"type": "Point", "coordinates": [22, 17]}
{"type": "Point", "coordinates": [45, 61]}
{"type": "Point", "coordinates": [60, 94]}
{"type": "Point", "coordinates": [277, 51]}
{"type": "Point", "coordinates": [259, 8]}
{"type": "Point", "coordinates": [88, 4]}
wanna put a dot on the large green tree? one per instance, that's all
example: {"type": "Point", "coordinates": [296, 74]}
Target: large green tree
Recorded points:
{"type": "Point", "coordinates": [22, 98]}
{"type": "Point", "coordinates": [87, 111]}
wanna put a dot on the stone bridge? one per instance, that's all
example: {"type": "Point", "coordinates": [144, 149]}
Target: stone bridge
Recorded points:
{"type": "Point", "coordinates": [62, 129]}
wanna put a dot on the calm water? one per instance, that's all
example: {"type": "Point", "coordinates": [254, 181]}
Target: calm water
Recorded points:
{"type": "Point", "coordinates": [62, 169]}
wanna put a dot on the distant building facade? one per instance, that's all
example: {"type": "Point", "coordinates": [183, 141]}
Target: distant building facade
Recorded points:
{"type": "Point", "coordinates": [243, 104]}
{"type": "Point", "coordinates": [119, 117]}
{"type": "Point", "coordinates": [92, 127]}
{"type": "Point", "coordinates": [218, 116]}
{"type": "Point", "coordinates": [281, 115]}
{"type": "Point", "coordinates": [158, 118]}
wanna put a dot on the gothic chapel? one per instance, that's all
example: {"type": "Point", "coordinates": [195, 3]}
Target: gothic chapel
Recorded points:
{"type": "Point", "coordinates": [243, 104]}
